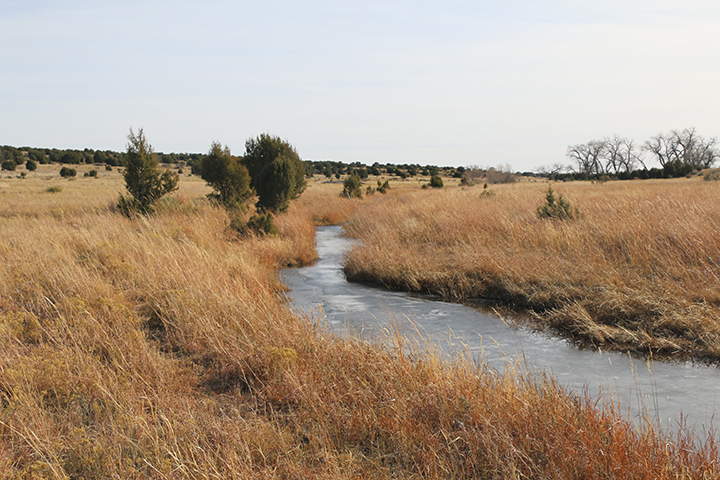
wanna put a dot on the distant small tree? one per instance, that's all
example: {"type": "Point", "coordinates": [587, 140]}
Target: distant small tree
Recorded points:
{"type": "Point", "coordinates": [277, 173]}
{"type": "Point", "coordinates": [30, 165]}
{"type": "Point", "coordinates": [8, 165]}
{"type": "Point", "coordinates": [72, 157]}
{"type": "Point", "coordinates": [144, 181]}
{"type": "Point", "coordinates": [229, 179]}
{"type": "Point", "coordinates": [501, 174]}
{"type": "Point", "coordinates": [100, 157]}
{"type": "Point", "coordinates": [352, 187]}
{"type": "Point", "coordinates": [38, 156]}
{"type": "Point", "coordinates": [55, 155]}
{"type": "Point", "coordinates": [436, 181]}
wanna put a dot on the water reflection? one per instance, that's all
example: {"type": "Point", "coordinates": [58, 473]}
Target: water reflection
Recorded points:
{"type": "Point", "coordinates": [665, 391]}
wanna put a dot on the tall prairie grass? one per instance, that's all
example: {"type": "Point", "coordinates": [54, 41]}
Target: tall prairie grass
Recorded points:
{"type": "Point", "coordinates": [638, 271]}
{"type": "Point", "coordinates": [158, 347]}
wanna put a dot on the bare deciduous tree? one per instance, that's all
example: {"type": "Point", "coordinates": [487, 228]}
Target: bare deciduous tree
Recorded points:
{"type": "Point", "coordinates": [685, 147]}
{"type": "Point", "coordinates": [501, 174]}
{"type": "Point", "coordinates": [552, 170]}
{"type": "Point", "coordinates": [619, 154]}
{"type": "Point", "coordinates": [588, 156]}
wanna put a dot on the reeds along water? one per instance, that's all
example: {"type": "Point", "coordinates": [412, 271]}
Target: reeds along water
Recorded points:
{"type": "Point", "coordinates": [157, 347]}
{"type": "Point", "coordinates": [636, 272]}
{"type": "Point", "coordinates": [661, 395]}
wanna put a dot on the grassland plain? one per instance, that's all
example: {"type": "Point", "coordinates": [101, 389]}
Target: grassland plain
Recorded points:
{"type": "Point", "coordinates": [158, 347]}
{"type": "Point", "coordinates": [638, 272]}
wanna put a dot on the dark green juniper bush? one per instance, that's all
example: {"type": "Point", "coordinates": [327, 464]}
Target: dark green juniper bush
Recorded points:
{"type": "Point", "coordinates": [352, 187]}
{"type": "Point", "coordinates": [277, 173]}
{"type": "Point", "coordinates": [229, 179]}
{"type": "Point", "coordinates": [144, 181]}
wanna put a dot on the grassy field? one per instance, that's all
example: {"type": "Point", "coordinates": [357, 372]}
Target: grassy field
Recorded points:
{"type": "Point", "coordinates": [159, 347]}
{"type": "Point", "coordinates": [637, 272]}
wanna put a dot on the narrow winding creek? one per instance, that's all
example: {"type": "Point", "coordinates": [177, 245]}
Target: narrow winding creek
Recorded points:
{"type": "Point", "coordinates": [669, 393]}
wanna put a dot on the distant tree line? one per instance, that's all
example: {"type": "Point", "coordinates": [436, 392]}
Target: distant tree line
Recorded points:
{"type": "Point", "coordinates": [42, 156]}
{"type": "Point", "coordinates": [679, 153]}
{"type": "Point", "coordinates": [332, 169]}
{"type": "Point", "coordinates": [329, 169]}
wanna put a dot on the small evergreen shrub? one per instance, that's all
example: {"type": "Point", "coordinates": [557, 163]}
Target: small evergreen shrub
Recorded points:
{"type": "Point", "coordinates": [557, 208]}
{"type": "Point", "coordinates": [383, 187]}
{"type": "Point", "coordinates": [91, 173]}
{"type": "Point", "coordinates": [352, 187]}
{"type": "Point", "coordinates": [144, 181]}
{"type": "Point", "coordinates": [31, 165]}
{"type": "Point", "coordinates": [436, 181]}
{"type": "Point", "coordinates": [66, 172]}
{"type": "Point", "coordinates": [712, 176]}
{"type": "Point", "coordinates": [259, 223]}
{"type": "Point", "coordinates": [53, 189]}
{"type": "Point", "coordinates": [108, 168]}
{"type": "Point", "coordinates": [8, 165]}
{"type": "Point", "coordinates": [486, 192]}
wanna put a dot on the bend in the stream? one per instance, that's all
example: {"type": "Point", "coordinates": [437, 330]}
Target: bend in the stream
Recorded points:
{"type": "Point", "coordinates": [668, 393]}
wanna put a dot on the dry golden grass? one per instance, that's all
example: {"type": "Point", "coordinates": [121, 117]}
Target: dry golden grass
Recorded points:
{"type": "Point", "coordinates": [638, 272]}
{"type": "Point", "coordinates": [323, 204]}
{"type": "Point", "coordinates": [158, 347]}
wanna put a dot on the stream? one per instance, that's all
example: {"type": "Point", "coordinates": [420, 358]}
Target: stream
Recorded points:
{"type": "Point", "coordinates": [669, 394]}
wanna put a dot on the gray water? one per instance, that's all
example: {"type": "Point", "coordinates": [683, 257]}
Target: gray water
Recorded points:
{"type": "Point", "coordinates": [667, 393]}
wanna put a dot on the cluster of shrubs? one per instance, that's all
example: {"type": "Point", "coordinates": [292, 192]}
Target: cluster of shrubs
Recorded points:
{"type": "Point", "coordinates": [352, 187]}
{"type": "Point", "coordinates": [31, 165]}
{"type": "Point", "coordinates": [67, 172]}
{"type": "Point", "coordinates": [11, 165]}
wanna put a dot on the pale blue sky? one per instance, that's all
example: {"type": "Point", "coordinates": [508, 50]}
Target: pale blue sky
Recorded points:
{"type": "Point", "coordinates": [445, 83]}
